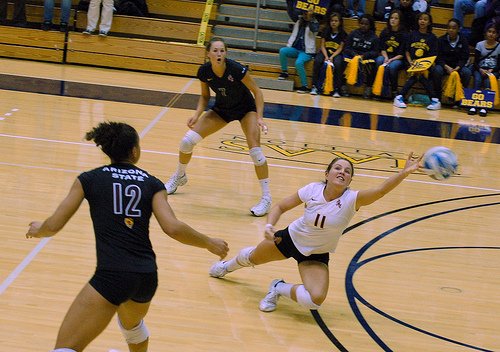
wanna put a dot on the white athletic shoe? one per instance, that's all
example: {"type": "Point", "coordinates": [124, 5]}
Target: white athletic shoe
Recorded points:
{"type": "Point", "coordinates": [218, 269]}
{"type": "Point", "coordinates": [262, 208]}
{"type": "Point", "coordinates": [269, 303]}
{"type": "Point", "coordinates": [399, 102]}
{"type": "Point", "coordinates": [175, 181]}
{"type": "Point", "coordinates": [434, 105]}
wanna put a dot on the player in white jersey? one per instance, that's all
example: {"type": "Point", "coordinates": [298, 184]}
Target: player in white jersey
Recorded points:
{"type": "Point", "coordinates": [329, 207]}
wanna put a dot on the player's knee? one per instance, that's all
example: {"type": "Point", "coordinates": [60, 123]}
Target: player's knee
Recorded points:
{"type": "Point", "coordinates": [244, 256]}
{"type": "Point", "coordinates": [257, 156]}
{"type": "Point", "coordinates": [136, 335]}
{"type": "Point", "coordinates": [190, 139]}
{"type": "Point", "coordinates": [305, 300]}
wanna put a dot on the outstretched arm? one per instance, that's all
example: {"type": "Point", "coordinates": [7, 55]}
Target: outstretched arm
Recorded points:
{"type": "Point", "coordinates": [368, 196]}
{"type": "Point", "coordinates": [182, 232]}
{"type": "Point", "coordinates": [61, 216]}
{"type": "Point", "coordinates": [281, 207]}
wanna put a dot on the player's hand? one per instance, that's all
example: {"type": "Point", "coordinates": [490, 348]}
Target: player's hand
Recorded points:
{"type": "Point", "coordinates": [192, 121]}
{"type": "Point", "coordinates": [269, 232]}
{"type": "Point", "coordinates": [412, 164]}
{"type": "Point", "coordinates": [262, 125]}
{"type": "Point", "coordinates": [34, 228]}
{"type": "Point", "coordinates": [218, 247]}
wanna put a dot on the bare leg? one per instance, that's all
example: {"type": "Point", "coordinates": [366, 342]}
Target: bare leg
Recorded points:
{"type": "Point", "coordinates": [209, 123]}
{"type": "Point", "coordinates": [87, 317]}
{"type": "Point", "coordinates": [252, 133]}
{"type": "Point", "coordinates": [130, 314]}
{"type": "Point", "coordinates": [265, 252]}
{"type": "Point", "coordinates": [316, 281]}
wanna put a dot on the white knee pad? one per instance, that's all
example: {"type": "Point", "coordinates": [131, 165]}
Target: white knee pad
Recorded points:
{"type": "Point", "coordinates": [136, 335]}
{"type": "Point", "coordinates": [243, 257]}
{"type": "Point", "coordinates": [257, 156]}
{"type": "Point", "coordinates": [63, 350]}
{"type": "Point", "coordinates": [304, 298]}
{"type": "Point", "coordinates": [190, 139]}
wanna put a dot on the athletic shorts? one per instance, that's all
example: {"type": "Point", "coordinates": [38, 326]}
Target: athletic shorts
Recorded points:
{"type": "Point", "coordinates": [120, 286]}
{"type": "Point", "coordinates": [284, 243]}
{"type": "Point", "coordinates": [236, 114]}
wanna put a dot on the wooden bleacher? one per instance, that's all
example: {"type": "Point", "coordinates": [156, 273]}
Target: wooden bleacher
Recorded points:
{"type": "Point", "coordinates": [33, 44]}
{"type": "Point", "coordinates": [164, 42]}
{"type": "Point", "coordinates": [145, 27]}
{"type": "Point", "coordinates": [186, 9]}
{"type": "Point", "coordinates": [153, 44]}
{"type": "Point", "coordinates": [135, 54]}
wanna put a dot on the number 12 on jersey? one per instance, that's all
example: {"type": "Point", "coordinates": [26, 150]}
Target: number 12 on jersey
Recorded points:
{"type": "Point", "coordinates": [127, 198]}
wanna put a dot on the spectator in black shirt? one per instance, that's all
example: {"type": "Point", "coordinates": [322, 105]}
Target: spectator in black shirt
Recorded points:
{"type": "Point", "coordinates": [392, 48]}
{"type": "Point", "coordinates": [453, 55]}
{"type": "Point", "coordinates": [422, 43]}
{"type": "Point", "coordinates": [332, 44]}
{"type": "Point", "coordinates": [409, 19]}
{"type": "Point", "coordinates": [364, 43]}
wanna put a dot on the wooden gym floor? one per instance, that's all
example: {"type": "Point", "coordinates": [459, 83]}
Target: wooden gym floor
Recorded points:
{"type": "Point", "coordinates": [417, 271]}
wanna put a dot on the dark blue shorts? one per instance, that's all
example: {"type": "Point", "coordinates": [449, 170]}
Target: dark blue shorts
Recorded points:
{"type": "Point", "coordinates": [120, 286]}
{"type": "Point", "coordinates": [235, 114]}
{"type": "Point", "coordinates": [284, 243]}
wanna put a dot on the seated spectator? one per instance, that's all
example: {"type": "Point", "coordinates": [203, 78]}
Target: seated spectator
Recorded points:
{"type": "Point", "coordinates": [356, 8]}
{"type": "Point", "coordinates": [486, 64]}
{"type": "Point", "coordinates": [492, 16]}
{"type": "Point", "coordinates": [48, 14]}
{"type": "Point", "coordinates": [93, 17]}
{"type": "Point", "coordinates": [332, 44]}
{"type": "Point", "coordinates": [453, 55]}
{"type": "Point", "coordinates": [463, 7]}
{"type": "Point", "coordinates": [302, 46]}
{"type": "Point", "coordinates": [392, 50]}
{"type": "Point", "coordinates": [363, 45]}
{"type": "Point", "coordinates": [383, 9]}
{"type": "Point", "coordinates": [19, 16]}
{"type": "Point", "coordinates": [336, 6]}
{"type": "Point", "coordinates": [421, 43]}
{"type": "Point", "coordinates": [409, 20]}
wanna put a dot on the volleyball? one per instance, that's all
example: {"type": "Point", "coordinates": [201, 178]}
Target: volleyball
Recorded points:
{"type": "Point", "coordinates": [440, 163]}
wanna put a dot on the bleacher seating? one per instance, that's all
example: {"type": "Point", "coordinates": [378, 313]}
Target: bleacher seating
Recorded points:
{"type": "Point", "coordinates": [165, 42]}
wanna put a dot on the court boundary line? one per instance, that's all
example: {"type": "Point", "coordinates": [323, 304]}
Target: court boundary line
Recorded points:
{"type": "Point", "coordinates": [354, 266]}
{"type": "Point", "coordinates": [25, 262]}
{"type": "Point", "coordinates": [162, 113]}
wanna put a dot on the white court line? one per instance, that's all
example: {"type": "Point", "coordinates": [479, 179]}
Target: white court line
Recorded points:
{"type": "Point", "coordinates": [14, 274]}
{"type": "Point", "coordinates": [164, 110]}
{"type": "Point", "coordinates": [17, 271]}
{"type": "Point", "coordinates": [270, 165]}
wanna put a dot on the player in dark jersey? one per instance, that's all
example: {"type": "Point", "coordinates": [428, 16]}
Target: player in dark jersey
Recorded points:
{"type": "Point", "coordinates": [122, 198]}
{"type": "Point", "coordinates": [233, 87]}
